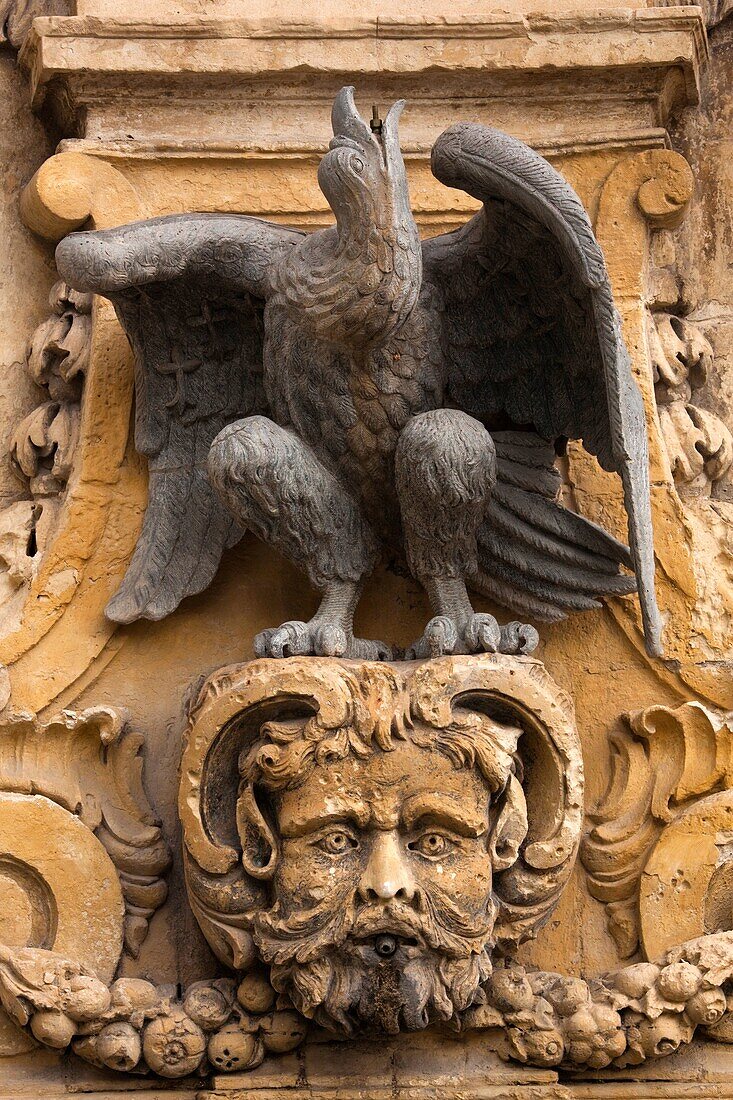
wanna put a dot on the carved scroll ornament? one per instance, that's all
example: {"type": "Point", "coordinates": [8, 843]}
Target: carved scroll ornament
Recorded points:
{"type": "Point", "coordinates": [90, 764]}
{"type": "Point", "coordinates": [654, 822]}
{"type": "Point", "coordinates": [82, 858]}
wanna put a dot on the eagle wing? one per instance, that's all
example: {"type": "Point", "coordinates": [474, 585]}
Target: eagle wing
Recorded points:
{"type": "Point", "coordinates": [189, 291]}
{"type": "Point", "coordinates": [531, 334]}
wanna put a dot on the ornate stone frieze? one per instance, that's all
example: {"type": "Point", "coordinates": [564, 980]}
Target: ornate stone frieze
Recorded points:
{"type": "Point", "coordinates": [381, 854]}
{"type": "Point", "coordinates": [368, 844]}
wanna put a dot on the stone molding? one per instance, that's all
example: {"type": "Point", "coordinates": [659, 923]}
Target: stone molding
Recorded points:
{"type": "Point", "coordinates": [639, 65]}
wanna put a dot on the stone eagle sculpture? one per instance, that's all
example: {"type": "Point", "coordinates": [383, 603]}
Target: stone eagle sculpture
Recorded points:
{"type": "Point", "coordinates": [352, 391]}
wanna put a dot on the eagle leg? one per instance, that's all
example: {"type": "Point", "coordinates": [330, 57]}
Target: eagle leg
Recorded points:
{"type": "Point", "coordinates": [445, 469]}
{"type": "Point", "coordinates": [274, 484]}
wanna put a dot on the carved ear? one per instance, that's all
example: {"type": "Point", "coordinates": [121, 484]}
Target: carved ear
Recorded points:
{"type": "Point", "coordinates": [260, 848]}
{"type": "Point", "coordinates": [510, 828]}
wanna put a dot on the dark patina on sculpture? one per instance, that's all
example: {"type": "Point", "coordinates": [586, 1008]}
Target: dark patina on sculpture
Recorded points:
{"type": "Point", "coordinates": [353, 390]}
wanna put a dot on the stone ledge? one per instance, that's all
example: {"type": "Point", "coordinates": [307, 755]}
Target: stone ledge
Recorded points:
{"type": "Point", "coordinates": [99, 76]}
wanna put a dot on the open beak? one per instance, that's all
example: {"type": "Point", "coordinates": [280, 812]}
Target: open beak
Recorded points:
{"type": "Point", "coordinates": [390, 134]}
{"type": "Point", "coordinates": [346, 121]}
{"type": "Point", "coordinates": [349, 128]}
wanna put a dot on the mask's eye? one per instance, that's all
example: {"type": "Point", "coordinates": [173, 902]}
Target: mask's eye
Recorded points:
{"type": "Point", "coordinates": [357, 164]}
{"type": "Point", "coordinates": [432, 845]}
{"type": "Point", "coordinates": [337, 843]}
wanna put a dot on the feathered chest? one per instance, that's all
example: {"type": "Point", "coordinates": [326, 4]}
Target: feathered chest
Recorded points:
{"type": "Point", "coordinates": [351, 405]}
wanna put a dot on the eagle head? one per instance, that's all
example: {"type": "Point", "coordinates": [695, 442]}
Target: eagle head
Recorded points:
{"type": "Point", "coordinates": [363, 173]}
{"type": "Point", "coordinates": [357, 283]}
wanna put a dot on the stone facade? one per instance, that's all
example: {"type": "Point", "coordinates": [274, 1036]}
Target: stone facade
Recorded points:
{"type": "Point", "coordinates": [165, 923]}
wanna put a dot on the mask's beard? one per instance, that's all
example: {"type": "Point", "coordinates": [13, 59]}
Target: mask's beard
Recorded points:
{"type": "Point", "coordinates": [324, 959]}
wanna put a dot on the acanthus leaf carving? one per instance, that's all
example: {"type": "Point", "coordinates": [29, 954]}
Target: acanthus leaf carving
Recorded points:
{"type": "Point", "coordinates": [91, 764]}
{"type": "Point", "coordinates": [42, 448]}
{"type": "Point", "coordinates": [665, 759]}
{"type": "Point", "coordinates": [699, 445]}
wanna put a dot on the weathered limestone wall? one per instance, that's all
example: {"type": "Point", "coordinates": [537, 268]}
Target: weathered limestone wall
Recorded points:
{"type": "Point", "coordinates": [26, 271]}
{"type": "Point", "coordinates": [705, 137]}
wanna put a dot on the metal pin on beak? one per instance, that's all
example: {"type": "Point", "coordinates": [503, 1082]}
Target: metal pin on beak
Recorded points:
{"type": "Point", "coordinates": [375, 121]}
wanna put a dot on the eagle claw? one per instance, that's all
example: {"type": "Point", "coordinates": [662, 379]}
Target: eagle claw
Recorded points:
{"type": "Point", "coordinates": [317, 639]}
{"type": "Point", "coordinates": [480, 633]}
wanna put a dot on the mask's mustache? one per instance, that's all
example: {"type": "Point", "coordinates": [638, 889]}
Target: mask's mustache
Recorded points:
{"type": "Point", "coordinates": [434, 921]}
{"type": "Point", "coordinates": [396, 919]}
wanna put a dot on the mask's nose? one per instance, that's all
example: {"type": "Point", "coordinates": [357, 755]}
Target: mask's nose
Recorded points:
{"type": "Point", "coordinates": [387, 874]}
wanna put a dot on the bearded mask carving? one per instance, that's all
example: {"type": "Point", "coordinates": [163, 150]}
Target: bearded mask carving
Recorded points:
{"type": "Point", "coordinates": [384, 848]}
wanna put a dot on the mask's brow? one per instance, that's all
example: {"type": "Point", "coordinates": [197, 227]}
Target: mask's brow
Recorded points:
{"type": "Point", "coordinates": [441, 809]}
{"type": "Point", "coordinates": [331, 811]}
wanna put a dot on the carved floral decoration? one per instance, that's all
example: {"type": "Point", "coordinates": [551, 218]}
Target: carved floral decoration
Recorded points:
{"type": "Point", "coordinates": [43, 445]}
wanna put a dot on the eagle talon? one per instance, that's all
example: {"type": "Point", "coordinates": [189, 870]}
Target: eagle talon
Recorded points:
{"type": "Point", "coordinates": [518, 638]}
{"type": "Point", "coordinates": [481, 633]}
{"type": "Point", "coordinates": [317, 639]}
{"type": "Point", "coordinates": [439, 638]}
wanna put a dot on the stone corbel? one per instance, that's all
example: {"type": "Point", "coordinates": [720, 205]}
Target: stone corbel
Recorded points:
{"type": "Point", "coordinates": [60, 627]}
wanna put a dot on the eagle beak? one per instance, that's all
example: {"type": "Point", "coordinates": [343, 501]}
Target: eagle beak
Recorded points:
{"type": "Point", "coordinates": [390, 134]}
{"type": "Point", "coordinates": [346, 120]}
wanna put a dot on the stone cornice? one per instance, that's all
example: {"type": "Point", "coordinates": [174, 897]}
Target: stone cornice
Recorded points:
{"type": "Point", "coordinates": [647, 62]}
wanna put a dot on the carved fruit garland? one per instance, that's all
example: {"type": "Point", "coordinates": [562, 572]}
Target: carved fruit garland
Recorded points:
{"type": "Point", "coordinates": [642, 1012]}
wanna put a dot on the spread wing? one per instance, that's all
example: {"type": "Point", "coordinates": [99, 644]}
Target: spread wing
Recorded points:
{"type": "Point", "coordinates": [189, 291]}
{"type": "Point", "coordinates": [530, 329]}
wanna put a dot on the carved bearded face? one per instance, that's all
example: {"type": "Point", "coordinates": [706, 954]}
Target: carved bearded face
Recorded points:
{"type": "Point", "coordinates": [383, 908]}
